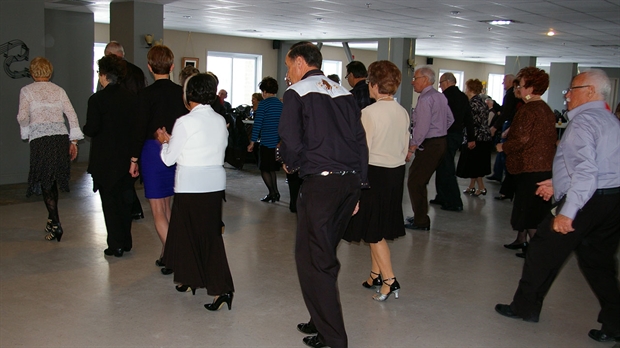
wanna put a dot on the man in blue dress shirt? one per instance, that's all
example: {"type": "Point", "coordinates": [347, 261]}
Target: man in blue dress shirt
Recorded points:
{"type": "Point", "coordinates": [586, 184]}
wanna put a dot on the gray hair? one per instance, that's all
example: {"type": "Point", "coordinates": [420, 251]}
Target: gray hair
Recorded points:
{"type": "Point", "coordinates": [428, 72]}
{"type": "Point", "coordinates": [599, 79]}
{"type": "Point", "coordinates": [113, 47]}
{"type": "Point", "coordinates": [449, 77]}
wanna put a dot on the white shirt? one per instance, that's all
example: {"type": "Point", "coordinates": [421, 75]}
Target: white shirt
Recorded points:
{"type": "Point", "coordinates": [197, 145]}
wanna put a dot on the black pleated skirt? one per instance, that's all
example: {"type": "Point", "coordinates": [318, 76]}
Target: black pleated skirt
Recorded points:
{"type": "Point", "coordinates": [528, 209]}
{"type": "Point", "coordinates": [381, 214]}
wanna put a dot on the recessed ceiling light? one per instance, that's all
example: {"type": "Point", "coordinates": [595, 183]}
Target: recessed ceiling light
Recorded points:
{"type": "Point", "coordinates": [500, 22]}
{"type": "Point", "coordinates": [320, 19]}
{"type": "Point", "coordinates": [431, 35]}
{"type": "Point", "coordinates": [187, 17]}
{"type": "Point", "coordinates": [454, 13]}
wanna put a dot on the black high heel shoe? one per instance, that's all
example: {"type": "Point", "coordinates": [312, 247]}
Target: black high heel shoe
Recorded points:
{"type": "Point", "coordinates": [160, 262]}
{"type": "Point", "coordinates": [185, 288]}
{"type": "Point", "coordinates": [219, 302]}
{"type": "Point", "coordinates": [268, 198]}
{"type": "Point", "coordinates": [470, 190]}
{"type": "Point", "coordinates": [377, 281]}
{"type": "Point", "coordinates": [54, 232]}
{"type": "Point", "coordinates": [514, 245]}
{"type": "Point", "coordinates": [479, 192]}
{"type": "Point", "coordinates": [394, 288]}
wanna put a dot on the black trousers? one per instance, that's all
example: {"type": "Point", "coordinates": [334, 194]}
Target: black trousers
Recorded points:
{"type": "Point", "coordinates": [595, 242]}
{"type": "Point", "coordinates": [447, 187]}
{"type": "Point", "coordinates": [116, 202]}
{"type": "Point", "coordinates": [294, 183]}
{"type": "Point", "coordinates": [422, 168]}
{"type": "Point", "coordinates": [324, 208]}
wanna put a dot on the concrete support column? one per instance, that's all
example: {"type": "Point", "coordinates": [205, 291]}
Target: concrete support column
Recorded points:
{"type": "Point", "coordinates": [130, 21]}
{"type": "Point", "coordinates": [516, 63]}
{"type": "Point", "coordinates": [560, 76]}
{"type": "Point", "coordinates": [399, 51]}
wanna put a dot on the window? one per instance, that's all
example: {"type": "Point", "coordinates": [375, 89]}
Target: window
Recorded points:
{"type": "Point", "coordinates": [98, 53]}
{"type": "Point", "coordinates": [459, 75]}
{"type": "Point", "coordinates": [332, 67]}
{"type": "Point", "coordinates": [495, 87]}
{"type": "Point", "coordinates": [239, 74]}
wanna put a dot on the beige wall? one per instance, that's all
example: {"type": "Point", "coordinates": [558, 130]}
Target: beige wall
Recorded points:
{"type": "Point", "coordinates": [188, 44]}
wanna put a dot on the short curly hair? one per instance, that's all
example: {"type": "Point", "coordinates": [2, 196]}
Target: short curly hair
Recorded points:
{"type": "Point", "coordinates": [41, 68]}
{"type": "Point", "coordinates": [474, 86]}
{"type": "Point", "coordinates": [269, 85]}
{"type": "Point", "coordinates": [201, 89]}
{"type": "Point", "coordinates": [386, 75]}
{"type": "Point", "coordinates": [112, 67]}
{"type": "Point", "coordinates": [534, 77]}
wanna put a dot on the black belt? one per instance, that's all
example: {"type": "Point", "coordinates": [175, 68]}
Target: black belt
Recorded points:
{"type": "Point", "coordinates": [443, 136]}
{"type": "Point", "coordinates": [326, 173]}
{"type": "Point", "coordinates": [607, 191]}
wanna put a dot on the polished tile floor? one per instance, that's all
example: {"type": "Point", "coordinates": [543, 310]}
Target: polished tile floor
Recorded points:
{"type": "Point", "coordinates": [69, 295]}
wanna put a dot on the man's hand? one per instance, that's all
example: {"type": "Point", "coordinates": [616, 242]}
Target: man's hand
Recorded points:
{"type": "Point", "coordinates": [471, 145]}
{"type": "Point", "coordinates": [285, 170]}
{"type": "Point", "coordinates": [545, 189]}
{"type": "Point", "coordinates": [563, 224]}
{"type": "Point", "coordinates": [499, 147]}
{"type": "Point", "coordinates": [251, 146]}
{"type": "Point", "coordinates": [357, 208]}
{"type": "Point", "coordinates": [133, 168]}
{"type": "Point", "coordinates": [493, 130]}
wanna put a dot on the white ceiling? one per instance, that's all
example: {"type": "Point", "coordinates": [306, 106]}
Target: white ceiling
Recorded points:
{"type": "Point", "coordinates": [587, 31]}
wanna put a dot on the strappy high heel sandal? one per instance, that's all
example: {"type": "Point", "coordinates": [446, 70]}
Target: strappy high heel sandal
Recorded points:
{"type": "Point", "coordinates": [377, 281]}
{"type": "Point", "coordinates": [219, 302]}
{"type": "Point", "coordinates": [479, 192]}
{"type": "Point", "coordinates": [394, 288]}
{"type": "Point", "coordinates": [55, 231]}
{"type": "Point", "coordinates": [469, 190]}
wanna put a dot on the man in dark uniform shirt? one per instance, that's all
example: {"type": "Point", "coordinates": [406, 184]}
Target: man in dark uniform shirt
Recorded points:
{"type": "Point", "coordinates": [134, 80]}
{"type": "Point", "coordinates": [356, 77]}
{"type": "Point", "coordinates": [448, 192]}
{"type": "Point", "coordinates": [322, 138]}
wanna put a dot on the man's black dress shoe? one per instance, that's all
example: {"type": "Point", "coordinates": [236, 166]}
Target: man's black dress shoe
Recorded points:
{"type": "Point", "coordinates": [600, 336]}
{"type": "Point", "coordinates": [452, 208]}
{"type": "Point", "coordinates": [409, 219]}
{"type": "Point", "coordinates": [166, 271]}
{"type": "Point", "coordinates": [506, 311]}
{"type": "Point", "coordinates": [502, 197]}
{"type": "Point", "coordinates": [314, 342]}
{"type": "Point", "coordinates": [515, 246]}
{"type": "Point", "coordinates": [413, 226]}
{"type": "Point", "coordinates": [127, 249]}
{"type": "Point", "coordinates": [116, 252]}
{"type": "Point", "coordinates": [307, 328]}
{"type": "Point", "coordinates": [435, 201]}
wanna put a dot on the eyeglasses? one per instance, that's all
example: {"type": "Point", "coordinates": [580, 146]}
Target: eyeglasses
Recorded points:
{"type": "Point", "coordinates": [419, 77]}
{"type": "Point", "coordinates": [575, 87]}
{"type": "Point", "coordinates": [440, 82]}
{"type": "Point", "coordinates": [347, 75]}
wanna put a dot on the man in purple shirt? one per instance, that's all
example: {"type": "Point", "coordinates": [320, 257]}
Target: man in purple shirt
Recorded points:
{"type": "Point", "coordinates": [431, 119]}
{"type": "Point", "coordinates": [586, 220]}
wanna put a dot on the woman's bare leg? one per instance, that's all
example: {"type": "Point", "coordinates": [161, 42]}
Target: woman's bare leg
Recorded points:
{"type": "Point", "coordinates": [381, 255]}
{"type": "Point", "coordinates": [161, 215]}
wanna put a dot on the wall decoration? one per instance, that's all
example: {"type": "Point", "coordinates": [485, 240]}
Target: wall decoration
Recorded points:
{"type": "Point", "coordinates": [190, 61]}
{"type": "Point", "coordinates": [16, 56]}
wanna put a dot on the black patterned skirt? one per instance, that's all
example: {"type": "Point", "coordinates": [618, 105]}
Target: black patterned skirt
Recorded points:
{"type": "Point", "coordinates": [49, 162]}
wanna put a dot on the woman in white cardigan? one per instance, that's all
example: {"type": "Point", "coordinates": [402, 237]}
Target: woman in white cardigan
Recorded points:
{"type": "Point", "coordinates": [195, 248]}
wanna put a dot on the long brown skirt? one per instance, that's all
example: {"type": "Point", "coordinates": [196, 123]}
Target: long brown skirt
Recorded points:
{"type": "Point", "coordinates": [194, 246]}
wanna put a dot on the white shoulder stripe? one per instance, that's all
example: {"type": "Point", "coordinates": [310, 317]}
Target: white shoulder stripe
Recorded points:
{"type": "Point", "coordinates": [319, 84]}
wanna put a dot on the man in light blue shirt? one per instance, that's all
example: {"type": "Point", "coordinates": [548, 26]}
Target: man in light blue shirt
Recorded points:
{"type": "Point", "coordinates": [586, 183]}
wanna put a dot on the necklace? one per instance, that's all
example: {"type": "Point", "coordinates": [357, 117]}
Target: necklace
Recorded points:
{"type": "Point", "coordinates": [389, 97]}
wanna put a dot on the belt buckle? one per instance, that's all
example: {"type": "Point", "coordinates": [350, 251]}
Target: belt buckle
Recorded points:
{"type": "Point", "coordinates": [324, 173]}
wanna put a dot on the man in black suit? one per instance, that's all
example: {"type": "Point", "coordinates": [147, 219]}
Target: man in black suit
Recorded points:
{"type": "Point", "coordinates": [356, 77]}
{"type": "Point", "coordinates": [133, 80]}
{"type": "Point", "coordinates": [509, 108]}
{"type": "Point", "coordinates": [109, 122]}
{"type": "Point", "coordinates": [448, 193]}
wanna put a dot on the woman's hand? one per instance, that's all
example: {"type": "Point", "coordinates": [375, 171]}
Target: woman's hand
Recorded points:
{"type": "Point", "coordinates": [251, 146]}
{"type": "Point", "coordinates": [133, 168]}
{"type": "Point", "coordinates": [73, 151]}
{"type": "Point", "coordinates": [471, 145]}
{"type": "Point", "coordinates": [162, 135]}
{"type": "Point", "coordinates": [499, 147]}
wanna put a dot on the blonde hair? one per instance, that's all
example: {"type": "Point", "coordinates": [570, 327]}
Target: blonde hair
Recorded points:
{"type": "Point", "coordinates": [40, 67]}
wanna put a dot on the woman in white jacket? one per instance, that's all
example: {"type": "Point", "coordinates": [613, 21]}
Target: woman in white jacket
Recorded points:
{"type": "Point", "coordinates": [195, 248]}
